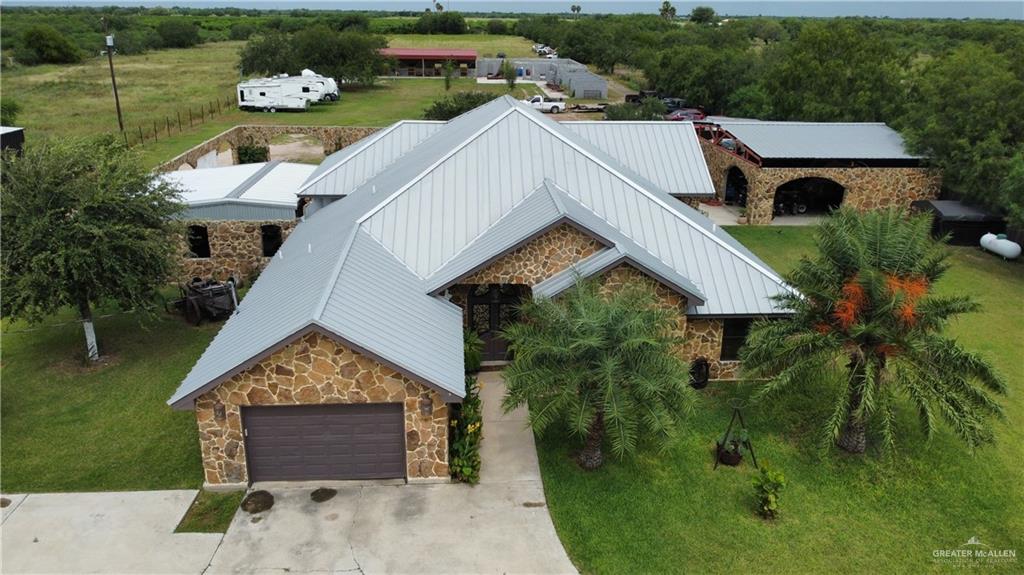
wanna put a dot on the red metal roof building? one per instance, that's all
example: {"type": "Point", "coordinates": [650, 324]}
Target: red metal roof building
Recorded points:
{"type": "Point", "coordinates": [430, 61]}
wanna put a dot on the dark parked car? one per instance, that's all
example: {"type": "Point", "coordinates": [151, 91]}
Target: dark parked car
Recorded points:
{"type": "Point", "coordinates": [673, 104]}
{"type": "Point", "coordinates": [686, 115]}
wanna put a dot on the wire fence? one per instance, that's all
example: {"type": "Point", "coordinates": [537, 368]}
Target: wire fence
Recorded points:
{"type": "Point", "coordinates": [182, 120]}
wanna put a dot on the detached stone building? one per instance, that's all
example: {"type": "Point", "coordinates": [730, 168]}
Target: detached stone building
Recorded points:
{"type": "Point", "coordinates": [820, 165]}
{"type": "Point", "coordinates": [237, 216]}
{"type": "Point", "coordinates": [345, 356]}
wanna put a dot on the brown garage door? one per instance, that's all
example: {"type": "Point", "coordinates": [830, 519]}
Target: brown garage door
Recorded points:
{"type": "Point", "coordinates": [306, 442]}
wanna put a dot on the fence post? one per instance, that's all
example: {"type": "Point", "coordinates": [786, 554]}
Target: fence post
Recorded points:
{"type": "Point", "coordinates": [168, 120]}
{"type": "Point", "coordinates": [190, 116]}
{"type": "Point", "coordinates": [155, 132]}
{"type": "Point", "coordinates": [141, 139]}
{"type": "Point", "coordinates": [178, 113]}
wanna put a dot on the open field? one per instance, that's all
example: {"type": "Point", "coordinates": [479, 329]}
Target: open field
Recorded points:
{"type": "Point", "coordinates": [77, 100]}
{"type": "Point", "coordinates": [486, 45]}
{"type": "Point", "coordinates": [662, 512]}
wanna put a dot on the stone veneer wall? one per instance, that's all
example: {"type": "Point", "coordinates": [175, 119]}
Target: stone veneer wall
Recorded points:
{"type": "Point", "coordinates": [316, 370]}
{"type": "Point", "coordinates": [236, 249]}
{"type": "Point", "coordinates": [865, 188]}
{"type": "Point", "coordinates": [541, 258]}
{"type": "Point", "coordinates": [333, 139]}
{"type": "Point", "coordinates": [564, 245]}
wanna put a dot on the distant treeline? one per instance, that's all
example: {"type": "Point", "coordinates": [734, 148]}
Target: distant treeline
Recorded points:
{"type": "Point", "coordinates": [64, 35]}
{"type": "Point", "coordinates": [955, 89]}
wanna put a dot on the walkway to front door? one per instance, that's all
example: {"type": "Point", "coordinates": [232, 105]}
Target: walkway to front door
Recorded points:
{"type": "Point", "coordinates": [491, 307]}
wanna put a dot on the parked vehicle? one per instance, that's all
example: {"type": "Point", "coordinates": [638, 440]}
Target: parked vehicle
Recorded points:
{"type": "Point", "coordinates": [210, 299]}
{"type": "Point", "coordinates": [673, 104]}
{"type": "Point", "coordinates": [271, 95]}
{"type": "Point", "coordinates": [545, 104]}
{"type": "Point", "coordinates": [330, 86]}
{"type": "Point", "coordinates": [640, 96]}
{"type": "Point", "coordinates": [685, 115]}
{"type": "Point", "coordinates": [789, 202]}
{"type": "Point", "coordinates": [552, 56]}
{"type": "Point", "coordinates": [310, 87]}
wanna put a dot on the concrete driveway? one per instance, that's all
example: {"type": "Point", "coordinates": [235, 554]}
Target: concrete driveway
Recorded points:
{"type": "Point", "coordinates": [120, 532]}
{"type": "Point", "coordinates": [500, 525]}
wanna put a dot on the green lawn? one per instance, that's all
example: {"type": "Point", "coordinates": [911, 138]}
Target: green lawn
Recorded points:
{"type": "Point", "coordinates": [670, 512]}
{"type": "Point", "coordinates": [210, 512]}
{"type": "Point", "coordinates": [66, 428]}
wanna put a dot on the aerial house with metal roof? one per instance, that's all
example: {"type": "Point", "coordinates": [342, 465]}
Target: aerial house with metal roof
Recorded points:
{"type": "Point", "coordinates": [345, 355]}
{"type": "Point", "coordinates": [771, 167]}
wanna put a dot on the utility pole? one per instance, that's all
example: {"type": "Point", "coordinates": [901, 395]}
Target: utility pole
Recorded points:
{"type": "Point", "coordinates": [113, 80]}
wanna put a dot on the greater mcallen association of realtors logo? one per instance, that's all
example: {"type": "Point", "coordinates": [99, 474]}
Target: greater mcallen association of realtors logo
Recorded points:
{"type": "Point", "coordinates": [974, 552]}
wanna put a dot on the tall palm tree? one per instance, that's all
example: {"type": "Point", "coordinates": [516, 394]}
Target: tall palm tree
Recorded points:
{"type": "Point", "coordinates": [602, 364]}
{"type": "Point", "coordinates": [868, 323]}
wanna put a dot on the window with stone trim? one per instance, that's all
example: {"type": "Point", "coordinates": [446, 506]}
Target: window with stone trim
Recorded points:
{"type": "Point", "coordinates": [198, 241]}
{"type": "Point", "coordinates": [272, 238]}
{"type": "Point", "coordinates": [734, 333]}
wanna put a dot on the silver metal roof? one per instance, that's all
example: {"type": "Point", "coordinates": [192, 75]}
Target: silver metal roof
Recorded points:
{"type": "Point", "coordinates": [261, 191]}
{"type": "Point", "coordinates": [344, 170]}
{"type": "Point", "coordinates": [819, 140]}
{"type": "Point", "coordinates": [364, 267]}
{"type": "Point", "coordinates": [666, 153]}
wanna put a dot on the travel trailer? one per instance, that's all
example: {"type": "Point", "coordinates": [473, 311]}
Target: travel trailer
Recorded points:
{"type": "Point", "coordinates": [331, 92]}
{"type": "Point", "coordinates": [271, 95]}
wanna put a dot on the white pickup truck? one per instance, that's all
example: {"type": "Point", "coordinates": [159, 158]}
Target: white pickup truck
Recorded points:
{"type": "Point", "coordinates": [546, 104]}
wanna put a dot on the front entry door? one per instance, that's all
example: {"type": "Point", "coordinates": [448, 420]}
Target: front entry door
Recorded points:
{"type": "Point", "coordinates": [491, 308]}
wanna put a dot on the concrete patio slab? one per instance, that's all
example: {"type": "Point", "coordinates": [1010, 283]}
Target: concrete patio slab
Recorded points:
{"type": "Point", "coordinates": [13, 501]}
{"type": "Point", "coordinates": [120, 532]}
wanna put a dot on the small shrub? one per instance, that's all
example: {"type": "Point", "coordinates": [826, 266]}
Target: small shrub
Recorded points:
{"type": "Point", "coordinates": [467, 431]}
{"type": "Point", "coordinates": [497, 27]}
{"type": "Point", "coordinates": [473, 348]}
{"type": "Point", "coordinates": [456, 104]}
{"type": "Point", "coordinates": [9, 110]}
{"type": "Point", "coordinates": [767, 487]}
{"type": "Point", "coordinates": [178, 33]}
{"type": "Point", "coordinates": [648, 109]}
{"type": "Point", "coordinates": [43, 44]}
{"type": "Point", "coordinates": [253, 154]}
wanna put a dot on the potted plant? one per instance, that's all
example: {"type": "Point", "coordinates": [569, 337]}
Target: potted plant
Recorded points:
{"type": "Point", "coordinates": [743, 216]}
{"type": "Point", "coordinates": [730, 447]}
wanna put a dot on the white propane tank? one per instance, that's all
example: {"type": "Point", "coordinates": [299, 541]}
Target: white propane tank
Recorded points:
{"type": "Point", "coordinates": [1000, 245]}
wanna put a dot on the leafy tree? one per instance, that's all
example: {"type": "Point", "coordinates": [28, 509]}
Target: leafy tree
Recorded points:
{"type": "Point", "coordinates": [242, 31]}
{"type": "Point", "coordinates": [602, 364]}
{"type": "Point", "coordinates": [836, 72]}
{"type": "Point", "coordinates": [667, 11]}
{"type": "Point", "coordinates": [703, 15]}
{"type": "Point", "coordinates": [45, 45]}
{"type": "Point", "coordinates": [767, 30]}
{"type": "Point", "coordinates": [749, 101]}
{"type": "Point", "coordinates": [268, 53]}
{"type": "Point", "coordinates": [702, 75]}
{"type": "Point", "coordinates": [497, 27]}
{"type": "Point", "coordinates": [868, 324]}
{"type": "Point", "coordinates": [440, 22]}
{"type": "Point", "coordinates": [649, 109]}
{"type": "Point", "coordinates": [456, 104]}
{"type": "Point", "coordinates": [178, 33]}
{"type": "Point", "coordinates": [508, 72]}
{"type": "Point", "coordinates": [9, 110]}
{"type": "Point", "coordinates": [84, 224]}
{"type": "Point", "coordinates": [449, 72]}
{"type": "Point", "coordinates": [968, 117]}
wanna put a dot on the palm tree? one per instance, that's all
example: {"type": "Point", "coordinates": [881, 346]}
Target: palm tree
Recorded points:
{"type": "Point", "coordinates": [602, 364]}
{"type": "Point", "coordinates": [867, 323]}
{"type": "Point", "coordinates": [576, 9]}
